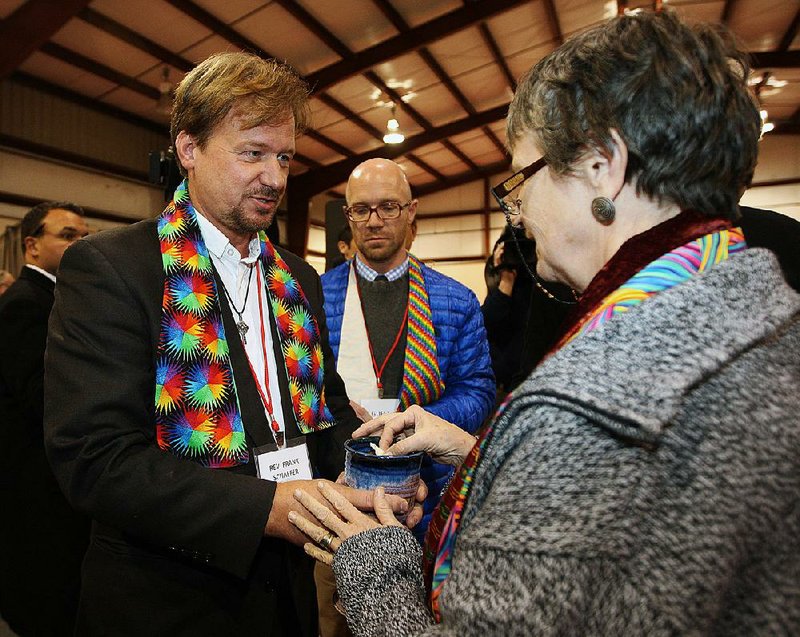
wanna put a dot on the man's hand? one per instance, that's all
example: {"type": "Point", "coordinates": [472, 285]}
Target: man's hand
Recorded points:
{"type": "Point", "coordinates": [508, 276]}
{"type": "Point", "coordinates": [284, 502]}
{"type": "Point", "coordinates": [418, 430]}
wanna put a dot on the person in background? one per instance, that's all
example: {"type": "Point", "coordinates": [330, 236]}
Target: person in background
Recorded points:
{"type": "Point", "coordinates": [776, 232]}
{"type": "Point", "coordinates": [6, 280]}
{"type": "Point", "coordinates": [402, 333]}
{"type": "Point", "coordinates": [346, 245]}
{"type": "Point", "coordinates": [42, 539]}
{"type": "Point", "coordinates": [189, 383]}
{"type": "Point", "coordinates": [644, 479]}
{"type": "Point", "coordinates": [522, 319]}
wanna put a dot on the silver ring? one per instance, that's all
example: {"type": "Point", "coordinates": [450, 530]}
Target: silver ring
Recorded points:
{"type": "Point", "coordinates": [326, 541]}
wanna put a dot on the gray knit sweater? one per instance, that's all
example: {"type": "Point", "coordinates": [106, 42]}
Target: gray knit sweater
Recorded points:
{"type": "Point", "coordinates": [644, 480]}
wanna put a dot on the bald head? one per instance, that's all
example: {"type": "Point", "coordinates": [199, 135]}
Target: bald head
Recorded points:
{"type": "Point", "coordinates": [381, 240]}
{"type": "Point", "coordinates": [382, 173]}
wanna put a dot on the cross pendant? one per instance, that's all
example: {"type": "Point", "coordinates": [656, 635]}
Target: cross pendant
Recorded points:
{"type": "Point", "coordinates": [242, 327]}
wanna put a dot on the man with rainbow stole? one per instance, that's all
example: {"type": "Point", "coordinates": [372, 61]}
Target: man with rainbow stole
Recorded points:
{"type": "Point", "coordinates": [190, 384]}
{"type": "Point", "coordinates": [402, 333]}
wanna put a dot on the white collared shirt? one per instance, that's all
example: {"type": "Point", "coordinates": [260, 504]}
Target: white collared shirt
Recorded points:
{"type": "Point", "coordinates": [235, 274]}
{"type": "Point", "coordinates": [40, 271]}
{"type": "Point", "coordinates": [366, 272]}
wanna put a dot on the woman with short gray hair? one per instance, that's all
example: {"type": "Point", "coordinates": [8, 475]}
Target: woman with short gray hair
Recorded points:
{"type": "Point", "coordinates": [645, 479]}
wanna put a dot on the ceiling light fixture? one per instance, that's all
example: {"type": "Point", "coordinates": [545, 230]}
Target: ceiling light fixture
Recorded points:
{"type": "Point", "coordinates": [766, 126]}
{"type": "Point", "coordinates": [393, 134]}
{"type": "Point", "coordinates": [164, 104]}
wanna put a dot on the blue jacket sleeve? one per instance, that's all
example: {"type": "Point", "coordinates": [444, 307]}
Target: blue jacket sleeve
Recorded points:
{"type": "Point", "coordinates": [469, 385]}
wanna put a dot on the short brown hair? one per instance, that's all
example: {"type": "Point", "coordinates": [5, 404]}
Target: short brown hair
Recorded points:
{"type": "Point", "coordinates": [676, 94]}
{"type": "Point", "coordinates": [32, 224]}
{"type": "Point", "coordinates": [206, 95]}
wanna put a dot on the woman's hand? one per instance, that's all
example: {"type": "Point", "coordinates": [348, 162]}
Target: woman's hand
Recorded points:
{"type": "Point", "coordinates": [336, 528]}
{"type": "Point", "coordinates": [418, 430]}
{"type": "Point", "coordinates": [284, 503]}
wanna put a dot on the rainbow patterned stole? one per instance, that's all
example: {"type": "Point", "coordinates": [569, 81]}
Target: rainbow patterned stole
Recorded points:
{"type": "Point", "coordinates": [422, 381]}
{"type": "Point", "coordinates": [669, 270]}
{"type": "Point", "coordinates": [663, 273]}
{"type": "Point", "coordinates": [196, 404]}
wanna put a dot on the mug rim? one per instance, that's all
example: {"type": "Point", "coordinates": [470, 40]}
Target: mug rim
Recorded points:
{"type": "Point", "coordinates": [371, 454]}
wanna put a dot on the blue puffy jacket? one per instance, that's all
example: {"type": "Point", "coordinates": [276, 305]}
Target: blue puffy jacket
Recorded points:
{"type": "Point", "coordinates": [463, 353]}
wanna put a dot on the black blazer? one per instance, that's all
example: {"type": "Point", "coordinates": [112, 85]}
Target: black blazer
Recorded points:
{"type": "Point", "coordinates": [39, 528]}
{"type": "Point", "coordinates": [176, 548]}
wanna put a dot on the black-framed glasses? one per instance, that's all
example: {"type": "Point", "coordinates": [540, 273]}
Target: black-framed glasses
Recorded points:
{"type": "Point", "coordinates": [68, 234]}
{"type": "Point", "coordinates": [503, 190]}
{"type": "Point", "coordinates": [361, 212]}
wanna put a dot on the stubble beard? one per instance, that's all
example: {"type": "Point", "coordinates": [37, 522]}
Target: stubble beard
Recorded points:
{"type": "Point", "coordinates": [237, 220]}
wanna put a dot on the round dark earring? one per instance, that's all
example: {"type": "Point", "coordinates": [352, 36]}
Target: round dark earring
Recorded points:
{"type": "Point", "coordinates": [603, 210]}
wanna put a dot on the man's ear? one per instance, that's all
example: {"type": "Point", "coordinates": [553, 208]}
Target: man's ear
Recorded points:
{"type": "Point", "coordinates": [31, 247]}
{"type": "Point", "coordinates": [185, 147]}
{"type": "Point", "coordinates": [605, 168]}
{"type": "Point", "coordinates": [412, 210]}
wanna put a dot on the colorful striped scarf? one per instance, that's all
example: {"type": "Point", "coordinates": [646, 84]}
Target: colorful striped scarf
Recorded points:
{"type": "Point", "coordinates": [196, 403]}
{"type": "Point", "coordinates": [669, 270]}
{"type": "Point", "coordinates": [422, 381]}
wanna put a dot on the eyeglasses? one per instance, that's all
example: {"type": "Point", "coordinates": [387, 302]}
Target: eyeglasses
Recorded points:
{"type": "Point", "coordinates": [70, 235]}
{"type": "Point", "coordinates": [503, 190]}
{"type": "Point", "coordinates": [359, 213]}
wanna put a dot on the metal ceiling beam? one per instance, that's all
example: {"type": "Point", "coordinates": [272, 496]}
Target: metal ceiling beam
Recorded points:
{"type": "Point", "coordinates": [52, 152]}
{"type": "Point", "coordinates": [410, 40]}
{"type": "Point", "coordinates": [494, 139]}
{"type": "Point", "coordinates": [330, 143]}
{"type": "Point", "coordinates": [775, 59]}
{"type": "Point", "coordinates": [552, 16]}
{"type": "Point", "coordinates": [315, 26]}
{"type": "Point", "coordinates": [339, 47]}
{"type": "Point", "coordinates": [348, 114]}
{"type": "Point", "coordinates": [400, 24]}
{"type": "Point", "coordinates": [727, 11]}
{"type": "Point", "coordinates": [88, 102]}
{"type": "Point", "coordinates": [208, 20]}
{"type": "Point", "coordinates": [121, 32]}
{"type": "Point", "coordinates": [25, 201]}
{"type": "Point", "coordinates": [32, 24]}
{"type": "Point", "coordinates": [498, 55]}
{"type": "Point", "coordinates": [426, 167]}
{"type": "Point", "coordinates": [101, 70]}
{"type": "Point", "coordinates": [333, 174]}
{"type": "Point", "coordinates": [125, 34]}
{"type": "Point", "coordinates": [463, 178]}
{"type": "Point", "coordinates": [791, 33]}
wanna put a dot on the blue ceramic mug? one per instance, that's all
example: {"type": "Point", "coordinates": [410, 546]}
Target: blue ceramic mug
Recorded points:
{"type": "Point", "coordinates": [398, 475]}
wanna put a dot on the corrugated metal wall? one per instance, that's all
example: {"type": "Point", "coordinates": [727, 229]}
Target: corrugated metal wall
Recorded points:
{"type": "Point", "coordinates": [42, 118]}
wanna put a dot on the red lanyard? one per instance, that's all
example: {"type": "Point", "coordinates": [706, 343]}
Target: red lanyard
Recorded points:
{"type": "Point", "coordinates": [266, 396]}
{"type": "Point", "coordinates": [379, 371]}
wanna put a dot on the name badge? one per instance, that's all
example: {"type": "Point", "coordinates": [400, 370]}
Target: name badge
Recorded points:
{"type": "Point", "coordinates": [378, 406]}
{"type": "Point", "coordinates": [283, 465]}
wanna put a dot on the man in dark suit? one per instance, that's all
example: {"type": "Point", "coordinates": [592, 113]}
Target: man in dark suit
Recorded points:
{"type": "Point", "coordinates": [43, 539]}
{"type": "Point", "coordinates": [188, 354]}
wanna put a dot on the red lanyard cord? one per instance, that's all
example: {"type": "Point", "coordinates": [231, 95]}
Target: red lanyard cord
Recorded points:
{"type": "Point", "coordinates": [379, 370]}
{"type": "Point", "coordinates": [266, 396]}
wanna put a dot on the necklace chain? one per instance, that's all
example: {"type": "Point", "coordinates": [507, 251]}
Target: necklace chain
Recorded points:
{"type": "Point", "coordinates": [240, 324]}
{"type": "Point", "coordinates": [533, 276]}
